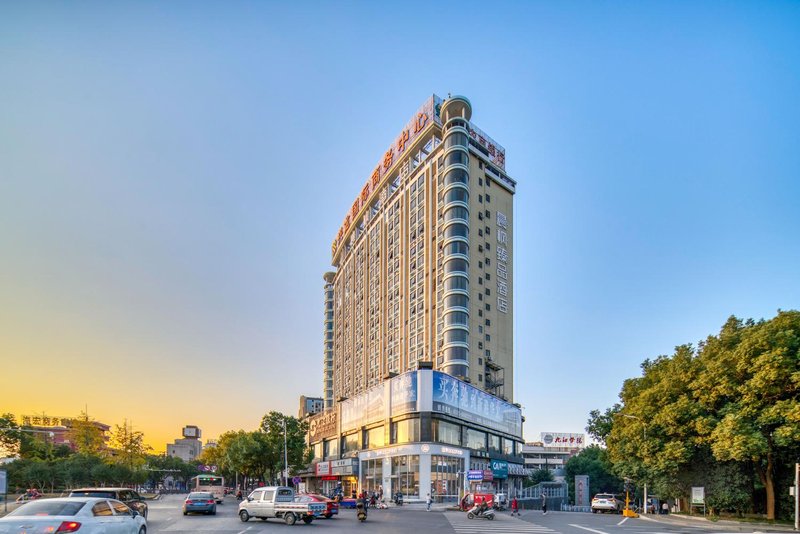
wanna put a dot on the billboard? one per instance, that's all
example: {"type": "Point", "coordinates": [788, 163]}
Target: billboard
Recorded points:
{"type": "Point", "coordinates": [459, 399]}
{"type": "Point", "coordinates": [563, 439]}
{"type": "Point", "coordinates": [404, 393]}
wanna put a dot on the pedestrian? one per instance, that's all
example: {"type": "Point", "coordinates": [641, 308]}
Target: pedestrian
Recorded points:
{"type": "Point", "coordinates": [544, 504]}
{"type": "Point", "coordinates": [428, 502]}
{"type": "Point", "coordinates": [664, 508]}
{"type": "Point", "coordinates": [514, 507]}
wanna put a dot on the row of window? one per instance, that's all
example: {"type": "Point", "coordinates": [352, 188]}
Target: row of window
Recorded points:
{"type": "Point", "coordinates": [408, 431]}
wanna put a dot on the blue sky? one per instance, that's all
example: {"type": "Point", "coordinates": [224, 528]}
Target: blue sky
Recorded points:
{"type": "Point", "coordinates": [172, 175]}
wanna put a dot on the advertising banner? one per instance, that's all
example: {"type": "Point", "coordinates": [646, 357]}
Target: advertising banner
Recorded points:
{"type": "Point", "coordinates": [563, 439]}
{"type": "Point", "coordinates": [404, 393]}
{"type": "Point", "coordinates": [499, 469]}
{"type": "Point", "coordinates": [363, 409]}
{"type": "Point", "coordinates": [454, 397]}
{"type": "Point", "coordinates": [323, 469]}
{"type": "Point", "coordinates": [475, 474]}
{"type": "Point", "coordinates": [698, 495]}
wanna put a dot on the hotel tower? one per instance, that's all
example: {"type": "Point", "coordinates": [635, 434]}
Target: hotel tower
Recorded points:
{"type": "Point", "coordinates": [422, 282]}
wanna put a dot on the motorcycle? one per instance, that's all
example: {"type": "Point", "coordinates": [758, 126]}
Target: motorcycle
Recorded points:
{"type": "Point", "coordinates": [398, 499]}
{"type": "Point", "coordinates": [480, 512]}
{"type": "Point", "coordinates": [361, 510]}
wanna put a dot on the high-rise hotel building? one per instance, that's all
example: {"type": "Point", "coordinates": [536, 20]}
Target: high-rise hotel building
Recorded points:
{"type": "Point", "coordinates": [419, 310]}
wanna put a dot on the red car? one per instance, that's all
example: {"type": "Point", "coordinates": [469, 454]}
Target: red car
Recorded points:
{"type": "Point", "coordinates": [332, 507]}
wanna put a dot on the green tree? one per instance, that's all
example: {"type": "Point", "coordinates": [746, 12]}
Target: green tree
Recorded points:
{"type": "Point", "coordinates": [537, 476]}
{"type": "Point", "coordinates": [10, 436]}
{"type": "Point", "coordinates": [298, 455]}
{"type": "Point", "coordinates": [85, 436]}
{"type": "Point", "coordinates": [593, 461]}
{"type": "Point", "coordinates": [129, 447]}
{"type": "Point", "coordinates": [600, 424]}
{"type": "Point", "coordinates": [750, 380]}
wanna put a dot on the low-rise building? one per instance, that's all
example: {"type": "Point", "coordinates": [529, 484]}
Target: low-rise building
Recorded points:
{"type": "Point", "coordinates": [189, 447]}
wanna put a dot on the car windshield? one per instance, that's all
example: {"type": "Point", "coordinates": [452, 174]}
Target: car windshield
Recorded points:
{"type": "Point", "coordinates": [200, 496]}
{"type": "Point", "coordinates": [94, 493]}
{"type": "Point", "coordinates": [48, 507]}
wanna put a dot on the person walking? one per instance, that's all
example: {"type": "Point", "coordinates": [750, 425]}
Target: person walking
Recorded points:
{"type": "Point", "coordinates": [428, 502]}
{"type": "Point", "coordinates": [514, 507]}
{"type": "Point", "coordinates": [544, 504]}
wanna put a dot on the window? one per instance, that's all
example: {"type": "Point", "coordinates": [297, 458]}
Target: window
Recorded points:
{"type": "Point", "coordinates": [480, 344]}
{"type": "Point", "coordinates": [480, 232]}
{"type": "Point", "coordinates": [480, 281]}
{"type": "Point", "coordinates": [480, 378]}
{"type": "Point", "coordinates": [488, 291]}
{"type": "Point", "coordinates": [480, 361]}
{"type": "Point", "coordinates": [444, 432]}
{"type": "Point", "coordinates": [480, 296]}
{"type": "Point", "coordinates": [350, 442]}
{"type": "Point", "coordinates": [488, 307]}
{"type": "Point", "coordinates": [488, 322]}
{"type": "Point", "coordinates": [121, 508]}
{"type": "Point", "coordinates": [488, 353]}
{"type": "Point", "coordinates": [488, 231]}
{"type": "Point", "coordinates": [494, 443]}
{"type": "Point", "coordinates": [488, 198]}
{"type": "Point", "coordinates": [374, 438]}
{"type": "Point", "coordinates": [488, 276]}
{"type": "Point", "coordinates": [101, 509]}
{"type": "Point", "coordinates": [480, 180]}
{"type": "Point", "coordinates": [488, 337]}
{"type": "Point", "coordinates": [480, 331]}
{"type": "Point", "coordinates": [405, 431]}
{"type": "Point", "coordinates": [480, 198]}
{"type": "Point", "coordinates": [480, 265]}
{"type": "Point", "coordinates": [480, 313]}
{"type": "Point", "coordinates": [475, 439]}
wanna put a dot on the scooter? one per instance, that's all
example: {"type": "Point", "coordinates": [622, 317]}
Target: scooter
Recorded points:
{"type": "Point", "coordinates": [398, 499]}
{"type": "Point", "coordinates": [361, 510]}
{"type": "Point", "coordinates": [482, 513]}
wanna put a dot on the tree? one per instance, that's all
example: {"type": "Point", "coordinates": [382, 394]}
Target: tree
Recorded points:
{"type": "Point", "coordinates": [298, 454]}
{"type": "Point", "coordinates": [10, 437]}
{"type": "Point", "coordinates": [600, 424]}
{"type": "Point", "coordinates": [85, 436]}
{"type": "Point", "coordinates": [751, 381]}
{"type": "Point", "coordinates": [129, 447]}
{"type": "Point", "coordinates": [593, 461]}
{"type": "Point", "coordinates": [538, 476]}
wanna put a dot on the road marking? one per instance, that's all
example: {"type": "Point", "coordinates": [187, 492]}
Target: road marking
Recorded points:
{"type": "Point", "coordinates": [502, 523]}
{"type": "Point", "coordinates": [245, 530]}
{"type": "Point", "coordinates": [589, 529]}
{"type": "Point", "coordinates": [623, 520]}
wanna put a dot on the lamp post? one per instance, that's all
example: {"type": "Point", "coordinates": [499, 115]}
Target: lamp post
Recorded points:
{"type": "Point", "coordinates": [644, 428]}
{"type": "Point", "coordinates": [285, 456]}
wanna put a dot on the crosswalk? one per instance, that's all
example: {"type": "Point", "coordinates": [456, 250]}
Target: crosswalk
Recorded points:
{"type": "Point", "coordinates": [501, 523]}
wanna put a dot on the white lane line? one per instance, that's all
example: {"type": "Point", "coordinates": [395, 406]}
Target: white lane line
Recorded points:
{"type": "Point", "coordinates": [623, 520]}
{"type": "Point", "coordinates": [589, 529]}
{"type": "Point", "coordinates": [245, 530]}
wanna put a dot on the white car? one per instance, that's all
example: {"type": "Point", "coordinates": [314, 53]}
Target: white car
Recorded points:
{"type": "Point", "coordinates": [74, 514]}
{"type": "Point", "coordinates": [606, 502]}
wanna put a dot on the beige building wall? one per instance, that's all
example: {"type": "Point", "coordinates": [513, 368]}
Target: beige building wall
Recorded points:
{"type": "Point", "coordinates": [387, 304]}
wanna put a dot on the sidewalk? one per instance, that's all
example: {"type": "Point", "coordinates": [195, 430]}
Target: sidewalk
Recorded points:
{"type": "Point", "coordinates": [726, 525]}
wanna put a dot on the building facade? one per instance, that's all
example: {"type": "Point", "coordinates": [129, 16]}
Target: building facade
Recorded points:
{"type": "Point", "coordinates": [189, 447]}
{"type": "Point", "coordinates": [309, 406]}
{"type": "Point", "coordinates": [422, 293]}
{"type": "Point", "coordinates": [553, 451]}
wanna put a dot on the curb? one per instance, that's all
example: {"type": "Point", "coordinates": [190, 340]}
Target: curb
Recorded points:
{"type": "Point", "coordinates": [723, 524]}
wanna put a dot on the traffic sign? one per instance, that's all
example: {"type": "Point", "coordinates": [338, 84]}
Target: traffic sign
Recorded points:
{"type": "Point", "coordinates": [3, 481]}
{"type": "Point", "coordinates": [296, 480]}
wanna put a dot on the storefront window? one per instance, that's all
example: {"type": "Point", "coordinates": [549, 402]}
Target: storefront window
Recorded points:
{"type": "Point", "coordinates": [446, 473]}
{"type": "Point", "coordinates": [475, 439]}
{"type": "Point", "coordinates": [350, 443]}
{"type": "Point", "coordinates": [373, 474]}
{"type": "Point", "coordinates": [374, 438]}
{"type": "Point", "coordinates": [318, 451]}
{"type": "Point", "coordinates": [405, 475]}
{"type": "Point", "coordinates": [444, 432]}
{"type": "Point", "coordinates": [494, 443]}
{"type": "Point", "coordinates": [405, 431]}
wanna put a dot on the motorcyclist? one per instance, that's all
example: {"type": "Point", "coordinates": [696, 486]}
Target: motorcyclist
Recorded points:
{"type": "Point", "coordinates": [239, 495]}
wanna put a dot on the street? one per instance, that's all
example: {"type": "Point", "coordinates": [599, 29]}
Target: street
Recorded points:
{"type": "Point", "coordinates": [166, 516]}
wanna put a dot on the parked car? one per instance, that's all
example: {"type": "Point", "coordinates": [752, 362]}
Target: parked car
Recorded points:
{"type": "Point", "coordinates": [126, 495]}
{"type": "Point", "coordinates": [200, 501]}
{"type": "Point", "coordinates": [74, 514]}
{"type": "Point", "coordinates": [606, 502]}
{"type": "Point", "coordinates": [332, 507]}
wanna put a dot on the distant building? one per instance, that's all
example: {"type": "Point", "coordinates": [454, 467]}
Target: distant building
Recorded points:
{"type": "Point", "coordinates": [310, 406]}
{"type": "Point", "coordinates": [188, 448]}
{"type": "Point", "coordinates": [553, 452]}
{"type": "Point", "coordinates": [56, 430]}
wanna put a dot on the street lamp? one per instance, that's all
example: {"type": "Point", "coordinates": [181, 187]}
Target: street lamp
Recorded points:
{"type": "Point", "coordinates": [285, 456]}
{"type": "Point", "coordinates": [644, 428]}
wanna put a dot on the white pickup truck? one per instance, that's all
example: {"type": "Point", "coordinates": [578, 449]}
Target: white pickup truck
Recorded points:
{"type": "Point", "coordinates": [278, 502]}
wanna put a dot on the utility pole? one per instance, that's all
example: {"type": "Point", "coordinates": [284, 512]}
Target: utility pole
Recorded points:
{"type": "Point", "coordinates": [285, 456]}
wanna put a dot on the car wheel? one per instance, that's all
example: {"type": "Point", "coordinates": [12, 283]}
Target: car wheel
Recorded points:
{"type": "Point", "coordinates": [143, 530]}
{"type": "Point", "coordinates": [290, 518]}
{"type": "Point", "coordinates": [328, 516]}
{"type": "Point", "coordinates": [244, 516]}
{"type": "Point", "coordinates": [185, 513]}
{"type": "Point", "coordinates": [214, 512]}
{"type": "Point", "coordinates": [308, 519]}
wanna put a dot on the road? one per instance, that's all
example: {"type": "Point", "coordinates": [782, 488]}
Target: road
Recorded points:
{"type": "Point", "coordinates": [166, 517]}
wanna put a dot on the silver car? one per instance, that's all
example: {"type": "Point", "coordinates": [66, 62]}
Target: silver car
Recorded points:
{"type": "Point", "coordinates": [74, 514]}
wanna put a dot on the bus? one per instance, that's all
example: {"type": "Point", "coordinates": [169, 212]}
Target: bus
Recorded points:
{"type": "Point", "coordinates": [210, 483]}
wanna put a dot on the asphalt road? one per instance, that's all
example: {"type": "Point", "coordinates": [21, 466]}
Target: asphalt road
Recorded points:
{"type": "Point", "coordinates": [166, 517]}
